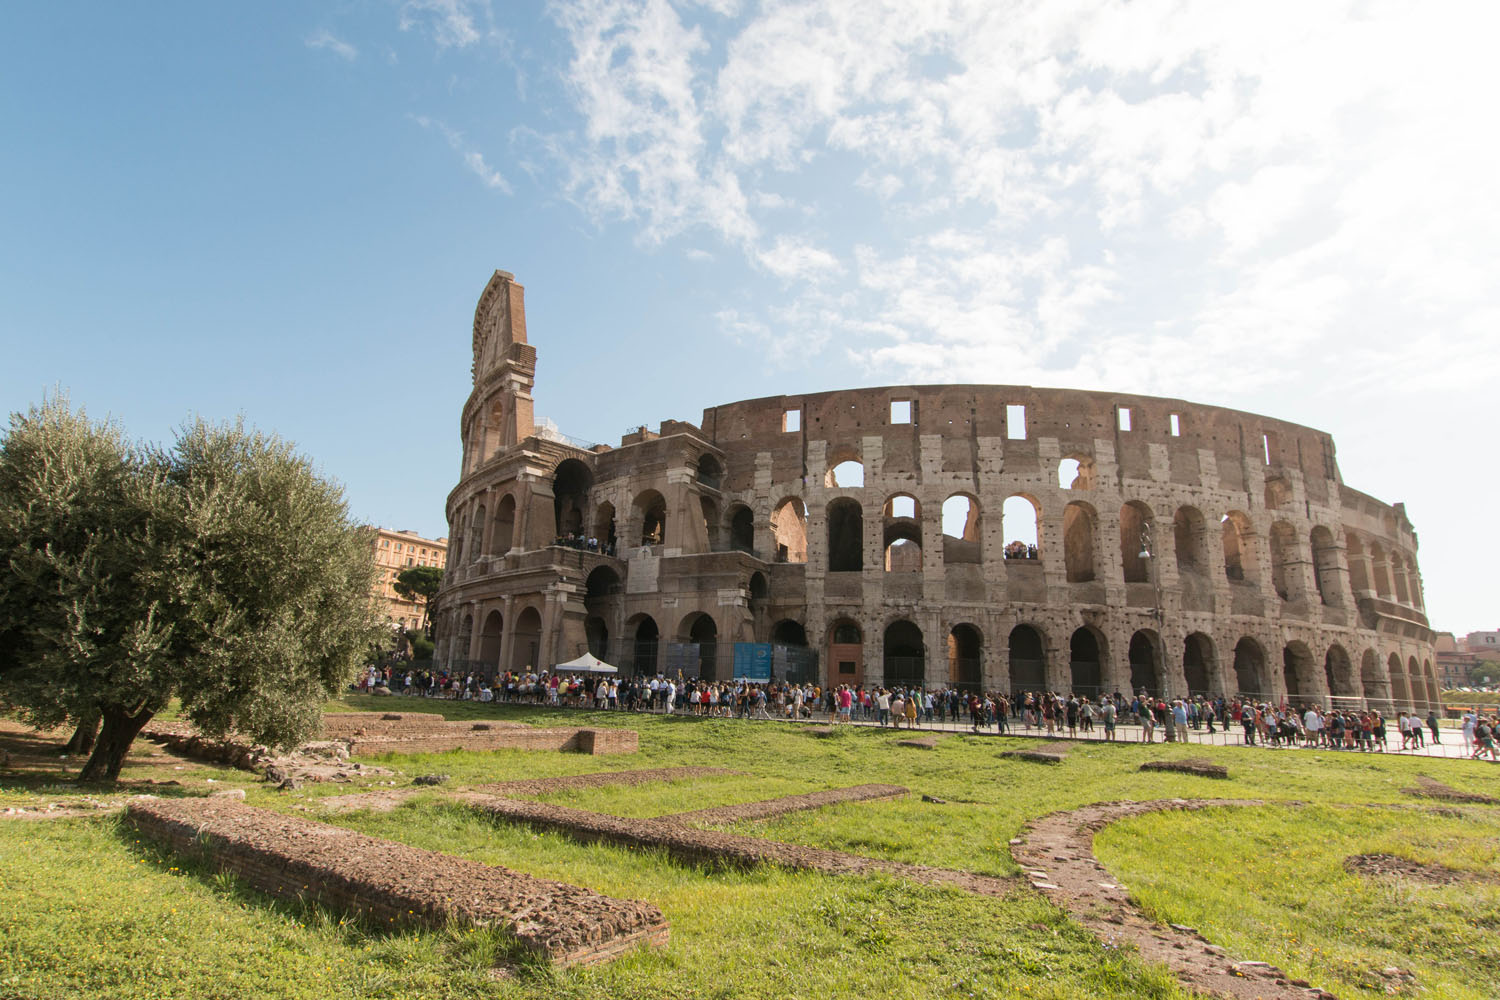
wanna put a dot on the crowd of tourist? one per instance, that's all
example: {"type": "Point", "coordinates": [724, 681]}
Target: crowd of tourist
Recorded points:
{"type": "Point", "coordinates": [1258, 723]}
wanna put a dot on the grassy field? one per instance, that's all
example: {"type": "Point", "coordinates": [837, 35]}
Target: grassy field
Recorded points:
{"type": "Point", "coordinates": [90, 911]}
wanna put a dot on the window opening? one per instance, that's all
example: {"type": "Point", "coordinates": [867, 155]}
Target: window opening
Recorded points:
{"type": "Point", "coordinates": [1124, 418]}
{"type": "Point", "coordinates": [1015, 422]}
{"type": "Point", "coordinates": [1175, 420]}
{"type": "Point", "coordinates": [791, 421]}
{"type": "Point", "coordinates": [900, 411]}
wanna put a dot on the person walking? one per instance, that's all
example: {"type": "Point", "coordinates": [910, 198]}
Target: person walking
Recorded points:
{"type": "Point", "coordinates": [1432, 724]}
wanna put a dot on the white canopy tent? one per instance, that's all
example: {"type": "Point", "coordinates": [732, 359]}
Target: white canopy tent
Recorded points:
{"type": "Point", "coordinates": [588, 663]}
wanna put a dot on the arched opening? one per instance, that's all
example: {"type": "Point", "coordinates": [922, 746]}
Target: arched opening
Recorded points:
{"type": "Point", "coordinates": [527, 641]}
{"type": "Point", "coordinates": [604, 527]}
{"type": "Point", "coordinates": [1359, 577]}
{"type": "Point", "coordinates": [1136, 543]}
{"type": "Point", "coordinates": [847, 474]}
{"type": "Point", "coordinates": [464, 642]}
{"type": "Point", "coordinates": [1239, 548]}
{"type": "Point", "coordinates": [788, 632]}
{"type": "Point", "coordinates": [1077, 472]}
{"type": "Point", "coordinates": [651, 510]}
{"type": "Point", "coordinates": [760, 590]}
{"type": "Point", "coordinates": [1297, 670]}
{"type": "Point", "coordinates": [846, 654]}
{"type": "Point", "coordinates": [1198, 663]}
{"type": "Point", "coordinates": [503, 536]}
{"type": "Point", "coordinates": [645, 644]}
{"type": "Point", "coordinates": [741, 529]}
{"type": "Point", "coordinates": [490, 635]}
{"type": "Point", "coordinates": [1377, 686]}
{"type": "Point", "coordinates": [1086, 662]}
{"type": "Point", "coordinates": [1398, 578]}
{"type": "Point", "coordinates": [845, 536]}
{"type": "Point", "coordinates": [1020, 517]}
{"type": "Point", "coordinates": [961, 539]}
{"type": "Point", "coordinates": [596, 632]}
{"type": "Point", "coordinates": [965, 666]}
{"type": "Point", "coordinates": [1250, 668]}
{"type": "Point", "coordinates": [905, 654]}
{"type": "Point", "coordinates": [571, 483]}
{"type": "Point", "coordinates": [1414, 679]}
{"type": "Point", "coordinates": [1028, 661]}
{"type": "Point", "coordinates": [700, 630]}
{"type": "Point", "coordinates": [1400, 691]}
{"type": "Point", "coordinates": [1286, 562]}
{"type": "Point", "coordinates": [1078, 542]}
{"type": "Point", "coordinates": [476, 534]}
{"type": "Point", "coordinates": [789, 530]}
{"type": "Point", "coordinates": [902, 534]}
{"type": "Point", "coordinates": [1338, 672]}
{"type": "Point", "coordinates": [1145, 662]}
{"type": "Point", "coordinates": [1380, 571]}
{"type": "Point", "coordinates": [1190, 538]}
{"type": "Point", "coordinates": [1325, 565]}
{"type": "Point", "coordinates": [710, 472]}
{"type": "Point", "coordinates": [1434, 693]}
{"type": "Point", "coordinates": [709, 508]}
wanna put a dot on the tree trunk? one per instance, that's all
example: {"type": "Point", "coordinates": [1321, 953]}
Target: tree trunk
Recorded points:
{"type": "Point", "coordinates": [84, 736]}
{"type": "Point", "coordinates": [120, 730]}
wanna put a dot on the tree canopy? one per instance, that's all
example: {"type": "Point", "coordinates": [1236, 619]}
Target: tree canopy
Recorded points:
{"type": "Point", "coordinates": [223, 572]}
{"type": "Point", "coordinates": [419, 583]}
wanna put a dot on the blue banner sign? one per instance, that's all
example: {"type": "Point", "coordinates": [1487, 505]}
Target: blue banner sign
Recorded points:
{"type": "Point", "coordinates": [752, 661]}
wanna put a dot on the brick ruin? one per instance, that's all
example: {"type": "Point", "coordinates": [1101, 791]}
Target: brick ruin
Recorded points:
{"type": "Point", "coordinates": [1005, 537]}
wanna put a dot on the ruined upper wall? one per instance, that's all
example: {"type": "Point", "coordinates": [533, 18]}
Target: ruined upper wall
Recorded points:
{"type": "Point", "coordinates": [1210, 444]}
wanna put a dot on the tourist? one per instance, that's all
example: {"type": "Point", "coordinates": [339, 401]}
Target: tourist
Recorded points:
{"type": "Point", "coordinates": [1432, 724]}
{"type": "Point", "coordinates": [911, 711]}
{"type": "Point", "coordinates": [1107, 710]}
{"type": "Point", "coordinates": [1179, 719]}
{"type": "Point", "coordinates": [1484, 739]}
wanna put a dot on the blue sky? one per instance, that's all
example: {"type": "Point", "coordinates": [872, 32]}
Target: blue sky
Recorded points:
{"type": "Point", "coordinates": [288, 211]}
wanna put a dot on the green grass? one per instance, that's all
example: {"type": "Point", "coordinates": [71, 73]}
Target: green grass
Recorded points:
{"type": "Point", "coordinates": [90, 912]}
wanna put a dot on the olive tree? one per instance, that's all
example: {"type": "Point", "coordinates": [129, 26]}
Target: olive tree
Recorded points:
{"type": "Point", "coordinates": [224, 572]}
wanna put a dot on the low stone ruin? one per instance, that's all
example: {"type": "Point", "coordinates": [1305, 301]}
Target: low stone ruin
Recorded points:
{"type": "Point", "coordinates": [1192, 765]}
{"type": "Point", "coordinates": [390, 882]}
{"type": "Point", "coordinates": [1431, 788]}
{"type": "Point", "coordinates": [767, 808]}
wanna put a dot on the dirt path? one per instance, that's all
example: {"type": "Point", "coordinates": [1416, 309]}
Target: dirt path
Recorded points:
{"type": "Point", "coordinates": [1057, 854]}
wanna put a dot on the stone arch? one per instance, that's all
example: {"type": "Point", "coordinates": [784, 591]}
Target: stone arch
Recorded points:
{"type": "Point", "coordinates": [760, 588]}
{"type": "Point", "coordinates": [901, 522]}
{"type": "Point", "coordinates": [503, 537]}
{"type": "Point", "coordinates": [596, 634]}
{"type": "Point", "coordinates": [1080, 526]}
{"type": "Point", "coordinates": [1434, 691]}
{"type": "Point", "coordinates": [710, 472]}
{"type": "Point", "coordinates": [1028, 660]}
{"type": "Point", "coordinates": [601, 586]}
{"type": "Point", "coordinates": [846, 654]}
{"type": "Point", "coordinates": [962, 541]}
{"type": "Point", "coordinates": [604, 525]}
{"type": "Point", "coordinates": [1137, 546]}
{"type": "Point", "coordinates": [1146, 662]}
{"type": "Point", "coordinates": [789, 632]}
{"type": "Point", "coordinates": [460, 649]}
{"type": "Point", "coordinates": [491, 633]}
{"type": "Point", "coordinates": [1359, 578]}
{"type": "Point", "coordinates": [1398, 578]}
{"type": "Point", "coordinates": [1199, 663]}
{"type": "Point", "coordinates": [846, 536]}
{"type": "Point", "coordinates": [965, 656]}
{"type": "Point", "coordinates": [742, 530]}
{"type": "Point", "coordinates": [1239, 548]}
{"type": "Point", "coordinates": [1400, 691]}
{"type": "Point", "coordinates": [1380, 571]}
{"type": "Point", "coordinates": [1077, 471]}
{"type": "Point", "coordinates": [700, 628]}
{"type": "Point", "coordinates": [846, 469]}
{"type": "Point", "coordinates": [1021, 525]}
{"type": "Point", "coordinates": [789, 530]}
{"type": "Point", "coordinates": [651, 514]}
{"type": "Point", "coordinates": [905, 654]}
{"type": "Point", "coordinates": [1086, 661]}
{"type": "Point", "coordinates": [1414, 680]}
{"type": "Point", "coordinates": [1250, 675]}
{"type": "Point", "coordinates": [526, 639]}
{"type": "Point", "coordinates": [1298, 670]}
{"type": "Point", "coordinates": [476, 534]}
{"type": "Point", "coordinates": [1325, 564]}
{"type": "Point", "coordinates": [1190, 535]}
{"type": "Point", "coordinates": [1338, 672]}
{"type": "Point", "coordinates": [645, 644]}
{"type": "Point", "coordinates": [1286, 560]}
{"type": "Point", "coordinates": [571, 482]}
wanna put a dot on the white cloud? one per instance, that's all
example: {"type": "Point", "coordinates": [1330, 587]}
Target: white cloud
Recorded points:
{"type": "Point", "coordinates": [472, 158]}
{"type": "Point", "coordinates": [449, 23]}
{"type": "Point", "coordinates": [325, 39]}
{"type": "Point", "coordinates": [792, 258]}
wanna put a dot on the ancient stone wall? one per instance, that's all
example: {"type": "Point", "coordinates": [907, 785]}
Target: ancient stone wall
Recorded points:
{"type": "Point", "coordinates": [1009, 537]}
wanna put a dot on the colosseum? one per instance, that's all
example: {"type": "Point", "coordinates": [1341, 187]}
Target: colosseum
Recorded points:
{"type": "Point", "coordinates": [1004, 537]}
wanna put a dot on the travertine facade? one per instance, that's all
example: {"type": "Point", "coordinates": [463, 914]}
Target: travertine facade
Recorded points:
{"type": "Point", "coordinates": [1003, 536]}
